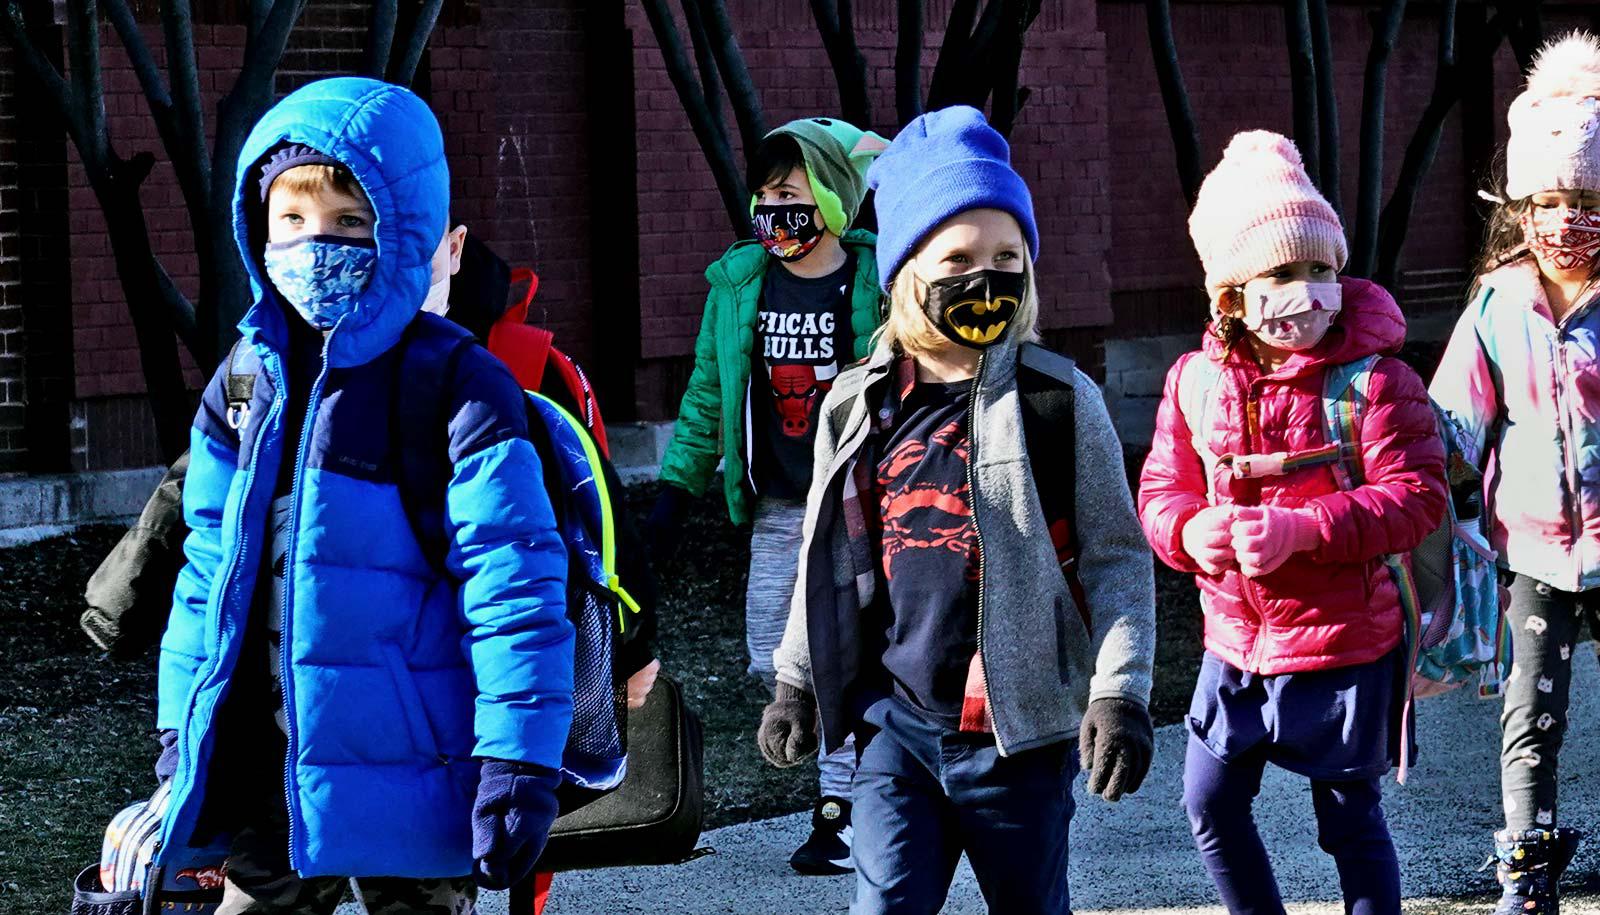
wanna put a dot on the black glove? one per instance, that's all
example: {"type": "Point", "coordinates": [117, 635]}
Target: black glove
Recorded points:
{"type": "Point", "coordinates": [167, 765]}
{"type": "Point", "coordinates": [511, 820]}
{"type": "Point", "coordinates": [664, 528]}
{"type": "Point", "coordinates": [788, 727]}
{"type": "Point", "coordinates": [1115, 745]}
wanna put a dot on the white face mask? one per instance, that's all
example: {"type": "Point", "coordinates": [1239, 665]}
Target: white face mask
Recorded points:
{"type": "Point", "coordinates": [438, 300]}
{"type": "Point", "coordinates": [1291, 316]}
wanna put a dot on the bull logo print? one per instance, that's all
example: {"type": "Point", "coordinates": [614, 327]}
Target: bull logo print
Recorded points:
{"type": "Point", "coordinates": [926, 515]}
{"type": "Point", "coordinates": [796, 391]}
{"type": "Point", "coordinates": [980, 320]}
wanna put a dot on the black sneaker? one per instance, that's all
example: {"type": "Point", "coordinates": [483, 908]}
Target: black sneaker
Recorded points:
{"type": "Point", "coordinates": [827, 851]}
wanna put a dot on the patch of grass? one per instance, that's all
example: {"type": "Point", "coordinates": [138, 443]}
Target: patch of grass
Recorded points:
{"type": "Point", "coordinates": [75, 738]}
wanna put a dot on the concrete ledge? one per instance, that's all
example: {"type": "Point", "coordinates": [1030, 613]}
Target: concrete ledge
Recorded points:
{"type": "Point", "coordinates": [35, 507]}
{"type": "Point", "coordinates": [636, 449]}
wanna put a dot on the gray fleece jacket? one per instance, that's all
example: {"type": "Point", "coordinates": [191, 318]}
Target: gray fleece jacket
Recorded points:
{"type": "Point", "coordinates": [1042, 664]}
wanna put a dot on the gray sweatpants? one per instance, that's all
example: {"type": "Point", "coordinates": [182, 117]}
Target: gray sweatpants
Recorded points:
{"type": "Point", "coordinates": [774, 563]}
{"type": "Point", "coordinates": [1545, 623]}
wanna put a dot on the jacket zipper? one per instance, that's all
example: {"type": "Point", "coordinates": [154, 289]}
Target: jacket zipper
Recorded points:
{"type": "Point", "coordinates": [290, 798]}
{"type": "Point", "coordinates": [1252, 415]}
{"type": "Point", "coordinates": [977, 531]}
{"type": "Point", "coordinates": [186, 753]}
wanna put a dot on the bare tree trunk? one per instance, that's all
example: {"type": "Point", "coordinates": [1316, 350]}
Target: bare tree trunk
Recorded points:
{"type": "Point", "coordinates": [713, 142]}
{"type": "Point", "coordinates": [1328, 131]}
{"type": "Point", "coordinates": [1424, 146]}
{"type": "Point", "coordinates": [146, 287]}
{"type": "Point", "coordinates": [836, 21]}
{"type": "Point", "coordinates": [1374, 97]}
{"type": "Point", "coordinates": [908, 62]}
{"type": "Point", "coordinates": [1174, 96]}
{"type": "Point", "coordinates": [953, 58]}
{"type": "Point", "coordinates": [741, 89]}
{"type": "Point", "coordinates": [1303, 85]}
{"type": "Point", "coordinates": [706, 61]}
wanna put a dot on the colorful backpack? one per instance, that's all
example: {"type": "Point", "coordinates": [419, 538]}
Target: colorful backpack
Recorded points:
{"type": "Point", "coordinates": [1456, 629]}
{"type": "Point", "coordinates": [117, 885]}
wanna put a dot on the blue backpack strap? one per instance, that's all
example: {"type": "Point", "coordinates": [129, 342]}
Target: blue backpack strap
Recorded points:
{"type": "Point", "coordinates": [1344, 400]}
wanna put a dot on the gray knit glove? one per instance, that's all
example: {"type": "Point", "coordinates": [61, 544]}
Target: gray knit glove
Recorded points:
{"type": "Point", "coordinates": [1115, 745]}
{"type": "Point", "coordinates": [788, 727]}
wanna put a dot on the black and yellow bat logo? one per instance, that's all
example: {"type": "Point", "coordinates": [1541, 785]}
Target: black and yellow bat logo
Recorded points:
{"type": "Point", "coordinates": [980, 320]}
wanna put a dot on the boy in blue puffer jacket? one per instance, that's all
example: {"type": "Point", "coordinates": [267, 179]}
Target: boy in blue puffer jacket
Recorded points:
{"type": "Point", "coordinates": [421, 701]}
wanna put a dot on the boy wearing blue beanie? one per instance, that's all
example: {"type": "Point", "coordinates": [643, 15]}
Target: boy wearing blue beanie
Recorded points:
{"type": "Point", "coordinates": [786, 312]}
{"type": "Point", "coordinates": [985, 643]}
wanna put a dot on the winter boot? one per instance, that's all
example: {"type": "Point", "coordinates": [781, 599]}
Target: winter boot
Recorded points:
{"type": "Point", "coordinates": [827, 851]}
{"type": "Point", "coordinates": [1529, 865]}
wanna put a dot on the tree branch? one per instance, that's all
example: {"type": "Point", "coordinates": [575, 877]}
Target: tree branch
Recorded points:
{"type": "Point", "coordinates": [953, 54]}
{"type": "Point", "coordinates": [1175, 97]}
{"type": "Point", "coordinates": [741, 89]}
{"type": "Point", "coordinates": [380, 38]}
{"type": "Point", "coordinates": [1424, 145]}
{"type": "Point", "coordinates": [263, 47]}
{"type": "Point", "coordinates": [83, 48]}
{"type": "Point", "coordinates": [908, 61]}
{"type": "Point", "coordinates": [714, 143]}
{"type": "Point", "coordinates": [1327, 105]}
{"type": "Point", "coordinates": [144, 64]}
{"type": "Point", "coordinates": [835, 21]}
{"type": "Point", "coordinates": [1374, 97]}
{"type": "Point", "coordinates": [706, 61]}
{"type": "Point", "coordinates": [417, 43]}
{"type": "Point", "coordinates": [16, 34]}
{"type": "Point", "coordinates": [1303, 83]}
{"type": "Point", "coordinates": [177, 27]}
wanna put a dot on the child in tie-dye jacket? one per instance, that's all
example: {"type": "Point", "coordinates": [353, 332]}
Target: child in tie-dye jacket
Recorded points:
{"type": "Point", "coordinates": [1522, 377]}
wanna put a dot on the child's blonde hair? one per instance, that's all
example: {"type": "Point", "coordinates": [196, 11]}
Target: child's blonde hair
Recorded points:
{"type": "Point", "coordinates": [315, 179]}
{"type": "Point", "coordinates": [909, 330]}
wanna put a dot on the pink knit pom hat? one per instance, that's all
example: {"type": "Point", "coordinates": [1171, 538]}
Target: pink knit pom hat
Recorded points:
{"type": "Point", "coordinates": [1258, 210]}
{"type": "Point", "coordinates": [1555, 123]}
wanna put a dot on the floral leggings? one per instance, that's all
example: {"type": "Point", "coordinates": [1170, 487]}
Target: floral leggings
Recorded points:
{"type": "Point", "coordinates": [1545, 624]}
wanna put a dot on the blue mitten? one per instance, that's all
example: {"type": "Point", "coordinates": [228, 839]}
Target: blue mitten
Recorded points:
{"type": "Point", "coordinates": [511, 820]}
{"type": "Point", "coordinates": [167, 765]}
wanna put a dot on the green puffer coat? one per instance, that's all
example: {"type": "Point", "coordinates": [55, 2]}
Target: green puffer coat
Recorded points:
{"type": "Point", "coordinates": [712, 412]}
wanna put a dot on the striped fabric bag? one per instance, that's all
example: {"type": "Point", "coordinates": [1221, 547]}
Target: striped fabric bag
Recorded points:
{"type": "Point", "coordinates": [116, 886]}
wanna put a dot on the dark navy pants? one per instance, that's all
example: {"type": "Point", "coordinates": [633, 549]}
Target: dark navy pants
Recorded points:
{"type": "Point", "coordinates": [1350, 826]}
{"type": "Point", "coordinates": [924, 794]}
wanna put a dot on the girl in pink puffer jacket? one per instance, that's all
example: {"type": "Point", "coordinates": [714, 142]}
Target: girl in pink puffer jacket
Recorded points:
{"type": "Point", "coordinates": [1303, 627]}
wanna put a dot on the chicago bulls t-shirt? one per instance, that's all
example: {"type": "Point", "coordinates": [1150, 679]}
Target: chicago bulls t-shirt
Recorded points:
{"type": "Point", "coordinates": [930, 550]}
{"type": "Point", "coordinates": [802, 337]}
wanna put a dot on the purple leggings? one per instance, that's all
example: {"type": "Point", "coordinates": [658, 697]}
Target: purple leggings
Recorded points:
{"type": "Point", "coordinates": [1350, 826]}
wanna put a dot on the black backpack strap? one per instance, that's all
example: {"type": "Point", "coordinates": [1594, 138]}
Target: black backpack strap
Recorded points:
{"type": "Point", "coordinates": [1045, 382]}
{"type": "Point", "coordinates": [243, 367]}
{"type": "Point", "coordinates": [425, 364]}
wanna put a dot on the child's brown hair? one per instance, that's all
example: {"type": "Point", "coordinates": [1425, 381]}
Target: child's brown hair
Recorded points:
{"type": "Point", "coordinates": [317, 178]}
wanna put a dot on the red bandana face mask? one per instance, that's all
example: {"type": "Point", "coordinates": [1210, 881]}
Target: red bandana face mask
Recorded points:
{"type": "Point", "coordinates": [1567, 238]}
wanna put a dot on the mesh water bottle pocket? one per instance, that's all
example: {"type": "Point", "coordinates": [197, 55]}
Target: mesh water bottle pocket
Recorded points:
{"type": "Point", "coordinates": [599, 701]}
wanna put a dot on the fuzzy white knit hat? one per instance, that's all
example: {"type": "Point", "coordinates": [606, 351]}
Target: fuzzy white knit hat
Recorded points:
{"type": "Point", "coordinates": [1258, 209]}
{"type": "Point", "coordinates": [1555, 122]}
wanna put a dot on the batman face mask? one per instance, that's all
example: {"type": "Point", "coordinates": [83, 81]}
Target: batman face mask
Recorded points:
{"type": "Point", "coordinates": [976, 309]}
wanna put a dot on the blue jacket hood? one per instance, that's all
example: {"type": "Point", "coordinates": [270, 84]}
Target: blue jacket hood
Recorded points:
{"type": "Point", "coordinates": [390, 141]}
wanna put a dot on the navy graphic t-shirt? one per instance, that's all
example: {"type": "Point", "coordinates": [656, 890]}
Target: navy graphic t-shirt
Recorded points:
{"type": "Point", "coordinates": [930, 550]}
{"type": "Point", "coordinates": [802, 337]}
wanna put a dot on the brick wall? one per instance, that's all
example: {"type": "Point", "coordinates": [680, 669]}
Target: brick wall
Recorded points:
{"type": "Point", "coordinates": [13, 383]}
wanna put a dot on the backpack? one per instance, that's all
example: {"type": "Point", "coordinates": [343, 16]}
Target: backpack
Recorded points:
{"type": "Point", "coordinates": [1456, 630]}
{"type": "Point", "coordinates": [577, 480]}
{"type": "Point", "coordinates": [528, 351]}
{"type": "Point", "coordinates": [117, 886]}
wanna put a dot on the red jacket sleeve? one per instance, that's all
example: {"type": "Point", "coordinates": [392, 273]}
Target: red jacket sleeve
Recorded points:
{"type": "Point", "coordinates": [1403, 498]}
{"type": "Point", "coordinates": [1172, 487]}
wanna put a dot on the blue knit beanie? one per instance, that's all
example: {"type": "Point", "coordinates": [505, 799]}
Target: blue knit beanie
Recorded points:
{"type": "Point", "coordinates": [943, 163]}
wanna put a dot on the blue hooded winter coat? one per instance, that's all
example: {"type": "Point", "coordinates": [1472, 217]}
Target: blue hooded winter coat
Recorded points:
{"type": "Point", "coordinates": [396, 674]}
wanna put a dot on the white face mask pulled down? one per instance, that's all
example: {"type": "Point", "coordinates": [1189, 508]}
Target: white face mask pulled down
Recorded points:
{"type": "Point", "coordinates": [1292, 316]}
{"type": "Point", "coordinates": [438, 300]}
